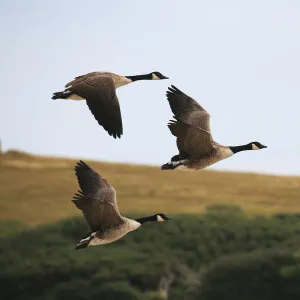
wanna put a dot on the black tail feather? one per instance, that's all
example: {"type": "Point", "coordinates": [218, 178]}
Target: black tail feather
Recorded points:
{"type": "Point", "coordinates": [170, 166]}
{"type": "Point", "coordinates": [84, 242]}
{"type": "Point", "coordinates": [61, 95]}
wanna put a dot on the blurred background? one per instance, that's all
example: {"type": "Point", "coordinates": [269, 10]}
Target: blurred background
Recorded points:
{"type": "Point", "coordinates": [235, 233]}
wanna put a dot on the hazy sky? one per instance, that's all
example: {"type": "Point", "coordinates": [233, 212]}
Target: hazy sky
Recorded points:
{"type": "Point", "coordinates": [239, 59]}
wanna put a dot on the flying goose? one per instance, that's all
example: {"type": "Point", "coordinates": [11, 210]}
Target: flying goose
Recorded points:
{"type": "Point", "coordinates": [97, 201]}
{"type": "Point", "coordinates": [99, 91]}
{"type": "Point", "coordinates": [197, 149]}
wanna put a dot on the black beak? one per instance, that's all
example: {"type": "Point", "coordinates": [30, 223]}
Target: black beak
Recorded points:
{"type": "Point", "coordinates": [263, 146]}
{"type": "Point", "coordinates": [167, 218]}
{"type": "Point", "coordinates": [164, 77]}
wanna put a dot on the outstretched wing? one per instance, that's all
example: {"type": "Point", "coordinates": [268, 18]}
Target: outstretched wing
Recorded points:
{"type": "Point", "coordinates": [191, 125]}
{"type": "Point", "coordinates": [97, 198]}
{"type": "Point", "coordinates": [101, 98]}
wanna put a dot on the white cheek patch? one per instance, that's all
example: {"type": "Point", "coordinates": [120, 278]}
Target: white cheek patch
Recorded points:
{"type": "Point", "coordinates": [154, 77]}
{"type": "Point", "coordinates": [254, 147]}
{"type": "Point", "coordinates": [160, 219]}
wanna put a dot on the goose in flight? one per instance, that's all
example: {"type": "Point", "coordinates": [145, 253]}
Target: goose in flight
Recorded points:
{"type": "Point", "coordinates": [99, 91]}
{"type": "Point", "coordinates": [98, 203]}
{"type": "Point", "coordinates": [191, 127]}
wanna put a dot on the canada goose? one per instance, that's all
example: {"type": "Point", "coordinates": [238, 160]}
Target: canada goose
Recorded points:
{"type": "Point", "coordinates": [197, 149]}
{"type": "Point", "coordinates": [99, 91]}
{"type": "Point", "coordinates": [97, 201]}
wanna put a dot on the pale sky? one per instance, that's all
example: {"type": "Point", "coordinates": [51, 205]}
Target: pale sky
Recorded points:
{"type": "Point", "coordinates": [239, 59]}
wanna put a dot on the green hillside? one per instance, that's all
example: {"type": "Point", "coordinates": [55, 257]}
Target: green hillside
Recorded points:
{"type": "Point", "coordinates": [222, 253]}
{"type": "Point", "coordinates": [37, 190]}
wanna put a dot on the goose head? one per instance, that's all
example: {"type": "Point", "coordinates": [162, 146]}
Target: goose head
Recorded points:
{"type": "Point", "coordinates": [162, 217]}
{"type": "Point", "coordinates": [256, 146]}
{"type": "Point", "coordinates": [154, 218]}
{"type": "Point", "coordinates": [150, 76]}
{"type": "Point", "coordinates": [158, 76]}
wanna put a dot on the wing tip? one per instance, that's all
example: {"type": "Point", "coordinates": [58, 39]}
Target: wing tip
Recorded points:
{"type": "Point", "coordinates": [116, 135]}
{"type": "Point", "coordinates": [81, 165]}
{"type": "Point", "coordinates": [172, 92]}
{"type": "Point", "coordinates": [111, 121]}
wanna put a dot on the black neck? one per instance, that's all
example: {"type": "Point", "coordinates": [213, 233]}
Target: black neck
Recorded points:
{"type": "Point", "coordinates": [236, 149]}
{"type": "Point", "coordinates": [140, 77]}
{"type": "Point", "coordinates": [147, 219]}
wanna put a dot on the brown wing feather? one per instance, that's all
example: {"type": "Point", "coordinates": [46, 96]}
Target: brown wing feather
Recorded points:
{"type": "Point", "coordinates": [100, 94]}
{"type": "Point", "coordinates": [198, 143]}
{"type": "Point", "coordinates": [179, 130]}
{"type": "Point", "coordinates": [192, 125]}
{"type": "Point", "coordinates": [187, 110]}
{"type": "Point", "coordinates": [190, 140]}
{"type": "Point", "coordinates": [97, 198]}
{"type": "Point", "coordinates": [80, 77]}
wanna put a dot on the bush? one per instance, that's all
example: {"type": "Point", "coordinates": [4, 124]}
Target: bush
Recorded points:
{"type": "Point", "coordinates": [235, 251]}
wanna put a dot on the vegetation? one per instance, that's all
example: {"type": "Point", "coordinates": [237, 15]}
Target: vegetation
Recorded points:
{"type": "Point", "coordinates": [221, 254]}
{"type": "Point", "coordinates": [36, 190]}
{"type": "Point", "coordinates": [210, 251]}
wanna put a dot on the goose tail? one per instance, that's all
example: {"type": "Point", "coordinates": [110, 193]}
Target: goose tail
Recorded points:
{"type": "Point", "coordinates": [61, 95]}
{"type": "Point", "coordinates": [171, 165]}
{"type": "Point", "coordinates": [84, 242]}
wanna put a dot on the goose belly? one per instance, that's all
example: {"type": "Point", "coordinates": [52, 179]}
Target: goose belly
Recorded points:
{"type": "Point", "coordinates": [207, 161]}
{"type": "Point", "coordinates": [115, 233]}
{"type": "Point", "coordinates": [101, 241]}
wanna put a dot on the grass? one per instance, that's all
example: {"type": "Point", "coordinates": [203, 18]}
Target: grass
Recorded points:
{"type": "Point", "coordinates": [36, 190]}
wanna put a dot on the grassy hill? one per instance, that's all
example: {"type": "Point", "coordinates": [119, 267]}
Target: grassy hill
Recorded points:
{"type": "Point", "coordinates": [37, 190]}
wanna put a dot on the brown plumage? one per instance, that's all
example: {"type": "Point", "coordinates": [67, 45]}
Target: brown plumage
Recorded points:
{"type": "Point", "coordinates": [190, 126]}
{"type": "Point", "coordinates": [97, 199]}
{"type": "Point", "coordinates": [99, 91]}
{"type": "Point", "coordinates": [195, 143]}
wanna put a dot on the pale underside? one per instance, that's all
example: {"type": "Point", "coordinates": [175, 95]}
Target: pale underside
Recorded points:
{"type": "Point", "coordinates": [115, 233]}
{"type": "Point", "coordinates": [206, 161]}
{"type": "Point", "coordinates": [191, 127]}
{"type": "Point", "coordinates": [118, 80]}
